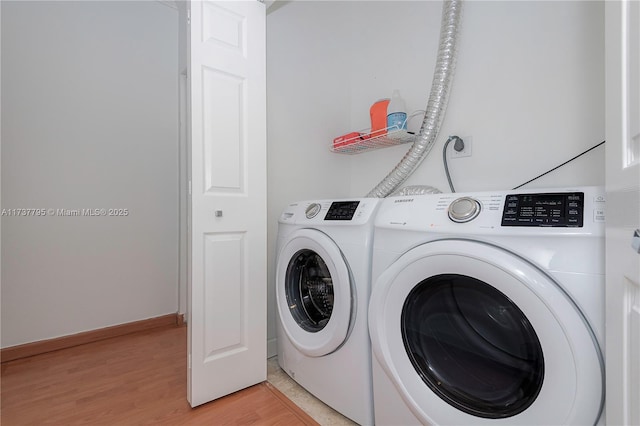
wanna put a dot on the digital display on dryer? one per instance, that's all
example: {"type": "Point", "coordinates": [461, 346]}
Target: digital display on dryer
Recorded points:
{"type": "Point", "coordinates": [555, 210]}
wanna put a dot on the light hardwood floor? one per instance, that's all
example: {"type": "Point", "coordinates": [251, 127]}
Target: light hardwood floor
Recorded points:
{"type": "Point", "coordinates": [135, 379]}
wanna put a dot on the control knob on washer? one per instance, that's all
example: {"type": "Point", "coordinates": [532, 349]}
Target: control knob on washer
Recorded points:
{"type": "Point", "coordinates": [312, 210]}
{"type": "Point", "coordinates": [464, 209]}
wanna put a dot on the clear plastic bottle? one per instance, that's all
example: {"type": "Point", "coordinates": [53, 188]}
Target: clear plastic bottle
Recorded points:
{"type": "Point", "coordinates": [396, 113]}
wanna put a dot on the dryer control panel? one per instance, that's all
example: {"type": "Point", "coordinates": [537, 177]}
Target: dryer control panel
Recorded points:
{"type": "Point", "coordinates": [548, 212]}
{"type": "Point", "coordinates": [562, 209]}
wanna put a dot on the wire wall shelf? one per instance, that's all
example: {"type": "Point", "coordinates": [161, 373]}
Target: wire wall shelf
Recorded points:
{"type": "Point", "coordinates": [367, 141]}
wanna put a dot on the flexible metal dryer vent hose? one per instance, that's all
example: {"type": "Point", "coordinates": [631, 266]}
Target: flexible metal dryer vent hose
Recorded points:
{"type": "Point", "coordinates": [436, 106]}
{"type": "Point", "coordinates": [416, 190]}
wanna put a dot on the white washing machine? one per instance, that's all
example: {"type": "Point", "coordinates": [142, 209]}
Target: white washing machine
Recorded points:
{"type": "Point", "coordinates": [488, 308]}
{"type": "Point", "coordinates": [323, 283]}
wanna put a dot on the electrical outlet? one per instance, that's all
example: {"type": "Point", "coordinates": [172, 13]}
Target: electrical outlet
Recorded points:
{"type": "Point", "coordinates": [466, 152]}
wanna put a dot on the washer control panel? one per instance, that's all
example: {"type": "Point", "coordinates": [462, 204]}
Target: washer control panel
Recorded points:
{"type": "Point", "coordinates": [561, 209]}
{"type": "Point", "coordinates": [340, 212]}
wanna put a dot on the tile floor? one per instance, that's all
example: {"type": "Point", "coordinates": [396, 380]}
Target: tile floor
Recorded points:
{"type": "Point", "coordinates": [319, 411]}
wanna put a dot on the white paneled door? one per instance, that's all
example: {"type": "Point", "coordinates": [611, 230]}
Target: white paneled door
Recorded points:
{"type": "Point", "coordinates": [227, 229]}
{"type": "Point", "coordinates": [622, 20]}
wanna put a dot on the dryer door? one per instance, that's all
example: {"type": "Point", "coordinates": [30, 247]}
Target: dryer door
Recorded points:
{"type": "Point", "coordinates": [470, 333]}
{"type": "Point", "coordinates": [313, 292]}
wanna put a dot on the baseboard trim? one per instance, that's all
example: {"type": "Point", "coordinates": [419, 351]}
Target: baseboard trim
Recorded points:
{"type": "Point", "coordinates": [302, 415]}
{"type": "Point", "coordinates": [272, 348]}
{"type": "Point", "coordinates": [13, 353]}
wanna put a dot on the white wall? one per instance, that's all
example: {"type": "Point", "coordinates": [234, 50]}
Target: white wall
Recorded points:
{"type": "Point", "coordinates": [89, 120]}
{"type": "Point", "coordinates": [528, 89]}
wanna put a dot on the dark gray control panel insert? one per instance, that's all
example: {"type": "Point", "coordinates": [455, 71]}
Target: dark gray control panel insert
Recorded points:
{"type": "Point", "coordinates": [342, 210]}
{"type": "Point", "coordinates": [562, 209]}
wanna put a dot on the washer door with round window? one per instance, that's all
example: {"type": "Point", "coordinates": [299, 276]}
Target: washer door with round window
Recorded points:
{"type": "Point", "coordinates": [313, 293]}
{"type": "Point", "coordinates": [470, 333]}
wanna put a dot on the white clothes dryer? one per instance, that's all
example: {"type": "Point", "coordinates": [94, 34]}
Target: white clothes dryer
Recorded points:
{"type": "Point", "coordinates": [488, 308]}
{"type": "Point", "coordinates": [323, 284]}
